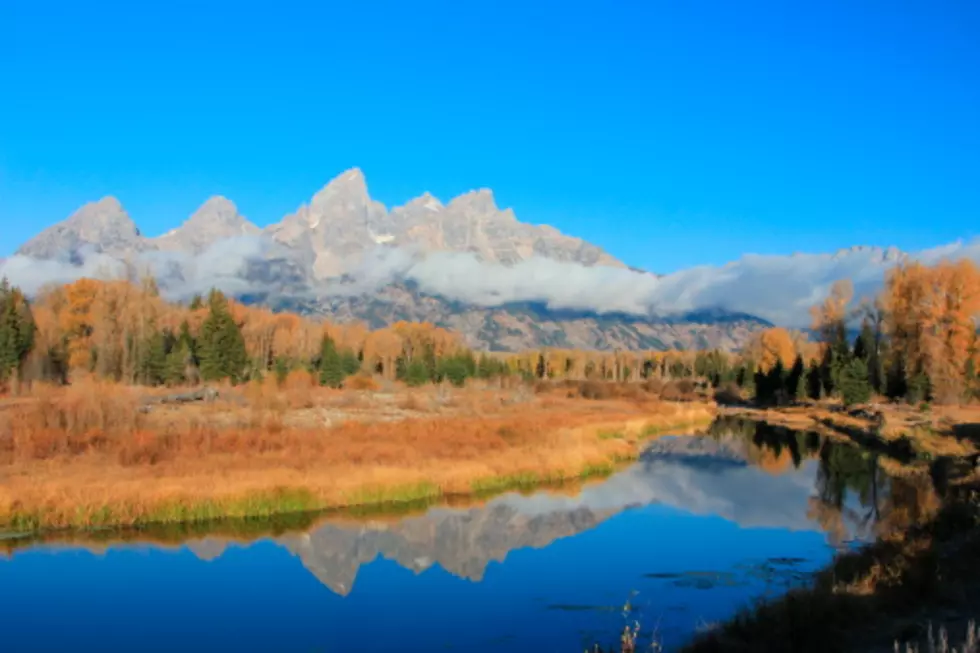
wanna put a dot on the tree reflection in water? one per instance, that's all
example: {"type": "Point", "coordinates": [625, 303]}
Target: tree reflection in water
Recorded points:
{"type": "Point", "coordinates": [852, 488]}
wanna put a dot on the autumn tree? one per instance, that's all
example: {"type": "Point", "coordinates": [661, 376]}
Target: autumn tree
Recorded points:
{"type": "Point", "coordinates": [930, 323]}
{"type": "Point", "coordinates": [829, 322]}
{"type": "Point", "coordinates": [772, 346]}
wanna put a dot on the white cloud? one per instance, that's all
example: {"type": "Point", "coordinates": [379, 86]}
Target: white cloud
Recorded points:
{"type": "Point", "coordinates": [777, 288]}
{"type": "Point", "coordinates": [780, 289]}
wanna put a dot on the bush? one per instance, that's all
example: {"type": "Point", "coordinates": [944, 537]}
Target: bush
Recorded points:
{"type": "Point", "coordinates": [594, 390]}
{"type": "Point", "coordinates": [729, 394]}
{"type": "Point", "coordinates": [361, 382]}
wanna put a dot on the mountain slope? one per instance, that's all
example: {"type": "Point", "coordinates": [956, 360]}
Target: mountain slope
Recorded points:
{"type": "Point", "coordinates": [516, 327]}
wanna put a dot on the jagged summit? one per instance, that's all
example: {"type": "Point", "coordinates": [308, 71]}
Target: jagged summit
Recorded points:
{"type": "Point", "coordinates": [103, 226]}
{"type": "Point", "coordinates": [348, 186]}
{"type": "Point", "coordinates": [218, 218]}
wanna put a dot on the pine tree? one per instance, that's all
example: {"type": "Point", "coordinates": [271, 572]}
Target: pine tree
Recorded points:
{"type": "Point", "coordinates": [853, 382]}
{"type": "Point", "coordinates": [152, 362]}
{"type": "Point", "coordinates": [221, 344]}
{"type": "Point", "coordinates": [349, 362]}
{"type": "Point", "coordinates": [802, 389]}
{"type": "Point", "coordinates": [453, 369]}
{"type": "Point", "coordinates": [331, 365]}
{"type": "Point", "coordinates": [16, 329]}
{"type": "Point", "coordinates": [174, 370]}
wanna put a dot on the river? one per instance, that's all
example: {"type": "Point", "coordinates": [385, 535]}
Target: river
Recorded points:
{"type": "Point", "coordinates": [696, 529]}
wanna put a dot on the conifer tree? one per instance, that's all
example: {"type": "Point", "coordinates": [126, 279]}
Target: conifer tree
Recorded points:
{"type": "Point", "coordinates": [152, 361]}
{"type": "Point", "coordinates": [174, 370]}
{"type": "Point", "coordinates": [416, 374]}
{"type": "Point", "coordinates": [16, 329]}
{"type": "Point", "coordinates": [802, 389]}
{"type": "Point", "coordinates": [349, 362]}
{"type": "Point", "coordinates": [853, 382]}
{"type": "Point", "coordinates": [332, 372]}
{"type": "Point", "coordinates": [221, 347]}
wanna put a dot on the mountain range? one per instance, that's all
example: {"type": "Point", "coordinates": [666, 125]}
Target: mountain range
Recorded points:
{"type": "Point", "coordinates": [466, 265]}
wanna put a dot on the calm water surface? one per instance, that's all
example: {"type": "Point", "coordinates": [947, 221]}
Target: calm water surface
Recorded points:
{"type": "Point", "coordinates": [686, 536]}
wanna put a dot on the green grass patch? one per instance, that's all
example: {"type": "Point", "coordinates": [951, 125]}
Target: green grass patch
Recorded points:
{"type": "Point", "coordinates": [496, 484]}
{"type": "Point", "coordinates": [611, 435]}
{"type": "Point", "coordinates": [397, 494]}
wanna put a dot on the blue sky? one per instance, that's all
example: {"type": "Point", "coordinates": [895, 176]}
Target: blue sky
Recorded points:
{"type": "Point", "coordinates": [672, 134]}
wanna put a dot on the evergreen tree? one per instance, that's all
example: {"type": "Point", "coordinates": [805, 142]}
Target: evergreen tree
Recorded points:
{"type": "Point", "coordinates": [281, 367]}
{"type": "Point", "coordinates": [867, 348]}
{"type": "Point", "coordinates": [151, 367]}
{"type": "Point", "coordinates": [796, 379]}
{"type": "Point", "coordinates": [16, 329]}
{"type": "Point", "coordinates": [197, 303]}
{"type": "Point", "coordinates": [332, 371]}
{"type": "Point", "coordinates": [802, 388]}
{"type": "Point", "coordinates": [349, 362]}
{"type": "Point", "coordinates": [814, 381]}
{"type": "Point", "coordinates": [853, 382]}
{"type": "Point", "coordinates": [918, 388]}
{"type": "Point", "coordinates": [453, 369]}
{"type": "Point", "coordinates": [416, 374]}
{"type": "Point", "coordinates": [174, 371]}
{"type": "Point", "coordinates": [186, 339]}
{"type": "Point", "coordinates": [221, 346]}
{"type": "Point", "coordinates": [896, 385]}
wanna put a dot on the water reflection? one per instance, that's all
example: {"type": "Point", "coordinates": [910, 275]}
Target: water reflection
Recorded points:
{"type": "Point", "coordinates": [699, 526]}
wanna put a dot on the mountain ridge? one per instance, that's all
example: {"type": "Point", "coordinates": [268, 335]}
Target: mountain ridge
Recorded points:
{"type": "Point", "coordinates": [464, 264]}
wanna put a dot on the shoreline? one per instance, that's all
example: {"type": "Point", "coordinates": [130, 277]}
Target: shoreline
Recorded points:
{"type": "Point", "coordinates": [891, 592]}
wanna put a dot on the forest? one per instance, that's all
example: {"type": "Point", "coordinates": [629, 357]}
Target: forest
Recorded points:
{"type": "Point", "coordinates": [916, 341]}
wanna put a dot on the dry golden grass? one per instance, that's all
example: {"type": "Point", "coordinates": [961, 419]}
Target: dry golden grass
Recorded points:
{"type": "Point", "coordinates": [87, 454]}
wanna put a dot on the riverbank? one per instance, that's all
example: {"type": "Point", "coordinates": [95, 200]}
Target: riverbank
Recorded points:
{"type": "Point", "coordinates": [924, 574]}
{"type": "Point", "coordinates": [938, 431]}
{"type": "Point", "coordinates": [74, 460]}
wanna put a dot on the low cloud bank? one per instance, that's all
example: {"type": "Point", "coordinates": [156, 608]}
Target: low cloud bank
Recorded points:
{"type": "Point", "coordinates": [777, 288]}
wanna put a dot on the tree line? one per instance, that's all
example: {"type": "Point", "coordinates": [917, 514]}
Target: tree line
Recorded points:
{"type": "Point", "coordinates": [917, 342]}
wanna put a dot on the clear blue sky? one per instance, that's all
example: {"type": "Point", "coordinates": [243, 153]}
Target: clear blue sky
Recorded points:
{"type": "Point", "coordinates": [671, 133]}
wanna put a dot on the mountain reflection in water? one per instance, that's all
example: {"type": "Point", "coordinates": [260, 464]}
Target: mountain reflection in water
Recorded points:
{"type": "Point", "coordinates": [699, 526]}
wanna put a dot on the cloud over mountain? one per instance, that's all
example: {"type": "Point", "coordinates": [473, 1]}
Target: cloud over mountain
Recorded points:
{"type": "Point", "coordinates": [779, 289]}
{"type": "Point", "coordinates": [344, 244]}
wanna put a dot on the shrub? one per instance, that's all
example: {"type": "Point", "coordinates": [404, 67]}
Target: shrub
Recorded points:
{"type": "Point", "coordinates": [361, 382]}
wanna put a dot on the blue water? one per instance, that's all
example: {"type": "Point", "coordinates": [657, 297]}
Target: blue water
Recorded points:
{"type": "Point", "coordinates": [686, 544]}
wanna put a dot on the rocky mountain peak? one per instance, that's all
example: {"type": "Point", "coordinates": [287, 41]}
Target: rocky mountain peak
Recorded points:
{"type": "Point", "coordinates": [425, 201]}
{"type": "Point", "coordinates": [103, 226]}
{"type": "Point", "coordinates": [475, 201]}
{"type": "Point", "coordinates": [347, 187]}
{"type": "Point", "coordinates": [106, 213]}
{"type": "Point", "coordinates": [216, 219]}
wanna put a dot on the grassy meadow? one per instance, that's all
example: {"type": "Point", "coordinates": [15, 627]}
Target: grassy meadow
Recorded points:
{"type": "Point", "coordinates": [96, 453]}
